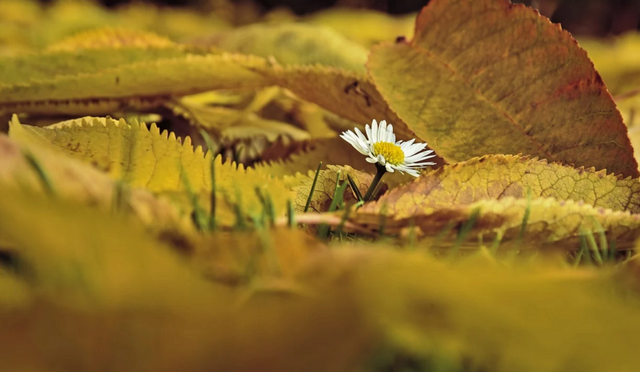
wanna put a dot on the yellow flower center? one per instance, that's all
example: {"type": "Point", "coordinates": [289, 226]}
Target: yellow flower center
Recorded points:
{"type": "Point", "coordinates": [392, 153]}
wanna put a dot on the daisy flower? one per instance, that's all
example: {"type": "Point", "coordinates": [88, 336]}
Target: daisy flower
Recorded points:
{"type": "Point", "coordinates": [381, 148]}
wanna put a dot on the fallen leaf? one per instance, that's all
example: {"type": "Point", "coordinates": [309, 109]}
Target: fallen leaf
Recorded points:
{"type": "Point", "coordinates": [293, 44]}
{"type": "Point", "coordinates": [145, 158]}
{"type": "Point", "coordinates": [491, 77]}
{"type": "Point", "coordinates": [499, 176]}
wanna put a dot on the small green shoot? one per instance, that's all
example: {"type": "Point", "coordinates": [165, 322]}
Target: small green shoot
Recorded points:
{"type": "Point", "coordinates": [237, 208]}
{"type": "Point", "coordinates": [343, 220]}
{"type": "Point", "coordinates": [465, 229]}
{"type": "Point", "coordinates": [355, 189]}
{"type": "Point", "coordinates": [291, 219]}
{"type": "Point", "coordinates": [42, 174]}
{"type": "Point", "coordinates": [383, 219]}
{"type": "Point", "coordinates": [199, 216]}
{"type": "Point", "coordinates": [412, 234]}
{"type": "Point", "coordinates": [525, 218]}
{"type": "Point", "coordinates": [603, 242]}
{"type": "Point", "coordinates": [313, 188]}
{"type": "Point", "coordinates": [581, 252]}
{"type": "Point", "coordinates": [120, 197]}
{"type": "Point", "coordinates": [338, 194]}
{"type": "Point", "coordinates": [442, 234]}
{"type": "Point", "coordinates": [593, 246]}
{"type": "Point", "coordinates": [267, 206]}
{"type": "Point", "coordinates": [210, 146]}
{"type": "Point", "coordinates": [493, 249]}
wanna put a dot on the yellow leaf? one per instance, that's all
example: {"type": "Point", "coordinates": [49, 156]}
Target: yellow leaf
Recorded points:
{"type": "Point", "coordinates": [434, 314]}
{"type": "Point", "coordinates": [294, 44]}
{"type": "Point", "coordinates": [102, 292]}
{"type": "Point", "coordinates": [489, 77]}
{"type": "Point", "coordinates": [73, 181]}
{"type": "Point", "coordinates": [239, 257]}
{"type": "Point", "coordinates": [144, 157]}
{"type": "Point", "coordinates": [349, 94]}
{"type": "Point", "coordinates": [110, 38]}
{"type": "Point", "coordinates": [102, 80]}
{"type": "Point", "coordinates": [539, 224]}
{"type": "Point", "coordinates": [364, 26]}
{"type": "Point", "coordinates": [499, 176]}
{"type": "Point", "coordinates": [248, 136]}
{"type": "Point", "coordinates": [60, 242]}
{"type": "Point", "coordinates": [177, 23]}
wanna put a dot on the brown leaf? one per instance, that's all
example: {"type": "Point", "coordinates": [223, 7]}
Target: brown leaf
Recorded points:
{"type": "Point", "coordinates": [491, 77]}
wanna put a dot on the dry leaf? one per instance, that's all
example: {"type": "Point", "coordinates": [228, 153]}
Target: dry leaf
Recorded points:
{"type": "Point", "coordinates": [491, 77]}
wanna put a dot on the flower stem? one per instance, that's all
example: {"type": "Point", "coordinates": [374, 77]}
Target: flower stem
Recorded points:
{"type": "Point", "coordinates": [381, 171]}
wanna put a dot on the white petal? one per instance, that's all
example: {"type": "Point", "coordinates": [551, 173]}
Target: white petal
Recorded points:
{"type": "Point", "coordinates": [418, 157]}
{"type": "Point", "coordinates": [414, 148]}
{"type": "Point", "coordinates": [418, 161]}
{"type": "Point", "coordinates": [374, 132]}
{"type": "Point", "coordinates": [361, 136]}
{"type": "Point", "coordinates": [404, 145]}
{"type": "Point", "coordinates": [382, 131]}
{"type": "Point", "coordinates": [391, 137]}
{"type": "Point", "coordinates": [352, 139]}
{"type": "Point", "coordinates": [367, 130]}
{"type": "Point", "coordinates": [421, 165]}
{"type": "Point", "coordinates": [389, 168]}
{"type": "Point", "coordinates": [371, 160]}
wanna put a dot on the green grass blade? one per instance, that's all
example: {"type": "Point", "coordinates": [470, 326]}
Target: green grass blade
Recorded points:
{"type": "Point", "coordinates": [465, 229]}
{"type": "Point", "coordinates": [313, 188]}
{"type": "Point", "coordinates": [323, 230]}
{"type": "Point", "coordinates": [40, 172]}
{"type": "Point", "coordinates": [199, 216]}
{"type": "Point", "coordinates": [355, 189]}
{"type": "Point", "coordinates": [593, 246]}
{"type": "Point", "coordinates": [291, 218]}
{"type": "Point", "coordinates": [212, 213]}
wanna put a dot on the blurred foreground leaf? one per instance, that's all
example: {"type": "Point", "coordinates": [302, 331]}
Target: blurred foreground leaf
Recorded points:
{"type": "Point", "coordinates": [107, 296]}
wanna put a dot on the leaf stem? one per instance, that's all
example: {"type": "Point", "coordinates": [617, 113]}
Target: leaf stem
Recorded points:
{"type": "Point", "coordinates": [381, 171]}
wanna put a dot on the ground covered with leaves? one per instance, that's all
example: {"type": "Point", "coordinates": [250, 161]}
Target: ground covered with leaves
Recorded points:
{"type": "Point", "coordinates": [175, 196]}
